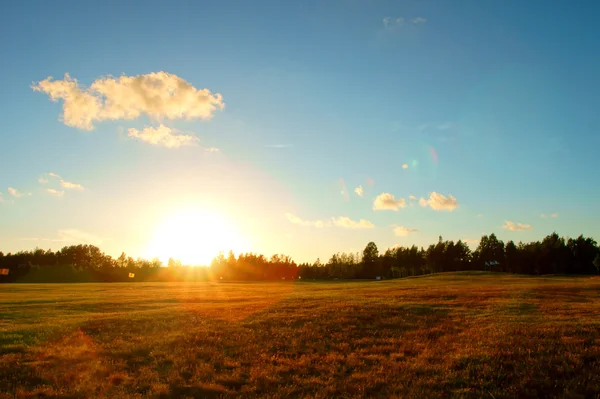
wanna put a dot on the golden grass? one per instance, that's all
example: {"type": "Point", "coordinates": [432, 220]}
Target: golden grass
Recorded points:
{"type": "Point", "coordinates": [450, 335]}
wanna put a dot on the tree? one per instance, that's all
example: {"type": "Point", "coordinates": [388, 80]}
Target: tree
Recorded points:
{"type": "Point", "coordinates": [370, 260]}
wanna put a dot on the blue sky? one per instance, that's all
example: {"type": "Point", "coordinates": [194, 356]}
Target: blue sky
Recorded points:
{"type": "Point", "coordinates": [492, 107]}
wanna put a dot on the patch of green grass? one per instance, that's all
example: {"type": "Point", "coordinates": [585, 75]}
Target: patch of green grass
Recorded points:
{"type": "Point", "coordinates": [448, 335]}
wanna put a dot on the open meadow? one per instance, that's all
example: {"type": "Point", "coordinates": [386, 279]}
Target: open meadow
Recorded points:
{"type": "Point", "coordinates": [449, 335]}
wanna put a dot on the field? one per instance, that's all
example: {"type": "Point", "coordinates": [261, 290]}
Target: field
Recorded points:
{"type": "Point", "coordinates": [451, 335]}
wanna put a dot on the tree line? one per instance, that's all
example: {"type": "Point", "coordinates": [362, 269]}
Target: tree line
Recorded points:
{"type": "Point", "coordinates": [87, 263]}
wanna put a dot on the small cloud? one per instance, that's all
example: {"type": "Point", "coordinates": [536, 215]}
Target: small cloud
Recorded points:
{"type": "Point", "coordinates": [389, 22]}
{"type": "Point", "coordinates": [404, 166]}
{"type": "Point", "coordinates": [162, 136]}
{"type": "Point", "coordinates": [439, 202]}
{"type": "Point", "coordinates": [402, 231]}
{"type": "Point", "coordinates": [551, 216]}
{"type": "Point", "coordinates": [359, 191]}
{"type": "Point", "coordinates": [56, 193]}
{"type": "Point", "coordinates": [516, 227]}
{"type": "Point", "coordinates": [418, 20]}
{"type": "Point", "coordinates": [14, 192]}
{"type": "Point", "coordinates": [70, 185]}
{"type": "Point", "coordinates": [159, 95]}
{"type": "Point", "coordinates": [212, 149]}
{"type": "Point", "coordinates": [307, 223]}
{"type": "Point", "coordinates": [412, 197]}
{"type": "Point", "coordinates": [348, 223]}
{"type": "Point", "coordinates": [42, 180]}
{"type": "Point", "coordinates": [387, 201]}
{"type": "Point", "coordinates": [52, 174]}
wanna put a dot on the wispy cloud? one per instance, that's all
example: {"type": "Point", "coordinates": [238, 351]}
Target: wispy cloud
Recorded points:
{"type": "Point", "coordinates": [52, 174]}
{"type": "Point", "coordinates": [341, 221]}
{"type": "Point", "coordinates": [42, 180]}
{"type": "Point", "coordinates": [54, 192]}
{"type": "Point", "coordinates": [359, 191]}
{"type": "Point", "coordinates": [15, 193]}
{"type": "Point", "coordinates": [550, 216]}
{"type": "Point", "coordinates": [73, 236]}
{"type": "Point", "coordinates": [439, 202]}
{"type": "Point", "coordinates": [212, 149]}
{"type": "Point", "coordinates": [162, 136]}
{"type": "Point", "coordinates": [402, 231]}
{"type": "Point", "coordinates": [159, 95]}
{"type": "Point", "coordinates": [508, 225]}
{"type": "Point", "coordinates": [348, 223]}
{"type": "Point", "coordinates": [404, 166]}
{"type": "Point", "coordinates": [70, 185]}
{"type": "Point", "coordinates": [387, 201]}
{"type": "Point", "coordinates": [398, 22]}
{"type": "Point", "coordinates": [308, 223]}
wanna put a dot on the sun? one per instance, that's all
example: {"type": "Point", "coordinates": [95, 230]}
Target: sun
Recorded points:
{"type": "Point", "coordinates": [194, 236]}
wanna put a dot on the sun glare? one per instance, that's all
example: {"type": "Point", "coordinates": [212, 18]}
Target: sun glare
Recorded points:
{"type": "Point", "coordinates": [194, 236]}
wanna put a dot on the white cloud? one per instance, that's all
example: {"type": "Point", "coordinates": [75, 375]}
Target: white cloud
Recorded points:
{"type": "Point", "coordinates": [359, 191]}
{"type": "Point", "coordinates": [70, 185]}
{"type": "Point", "coordinates": [412, 197]}
{"type": "Point", "coordinates": [162, 136]}
{"type": "Point", "coordinates": [388, 201]}
{"type": "Point", "coordinates": [348, 223]}
{"type": "Point", "coordinates": [212, 149]}
{"type": "Point", "coordinates": [56, 193]}
{"type": "Point", "coordinates": [308, 223]}
{"type": "Point", "coordinates": [551, 216]}
{"type": "Point", "coordinates": [42, 180]}
{"type": "Point", "coordinates": [402, 231]}
{"type": "Point", "coordinates": [439, 202]}
{"type": "Point", "coordinates": [508, 225]}
{"type": "Point", "coordinates": [418, 20]}
{"type": "Point", "coordinates": [404, 166]}
{"type": "Point", "coordinates": [341, 221]}
{"type": "Point", "coordinates": [160, 95]}
{"type": "Point", "coordinates": [52, 174]}
{"type": "Point", "coordinates": [14, 192]}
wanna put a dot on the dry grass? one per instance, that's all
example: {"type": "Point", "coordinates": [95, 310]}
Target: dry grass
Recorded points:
{"type": "Point", "coordinates": [452, 335]}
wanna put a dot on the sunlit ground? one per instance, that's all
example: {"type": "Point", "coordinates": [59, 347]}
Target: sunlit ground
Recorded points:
{"type": "Point", "coordinates": [454, 335]}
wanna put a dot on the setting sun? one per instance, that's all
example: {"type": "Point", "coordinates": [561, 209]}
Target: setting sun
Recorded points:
{"type": "Point", "coordinates": [194, 236]}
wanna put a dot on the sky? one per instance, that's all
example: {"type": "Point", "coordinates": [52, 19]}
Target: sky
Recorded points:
{"type": "Point", "coordinates": [298, 127]}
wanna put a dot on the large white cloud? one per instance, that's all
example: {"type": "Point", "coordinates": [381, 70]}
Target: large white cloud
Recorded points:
{"type": "Point", "coordinates": [159, 95]}
{"type": "Point", "coordinates": [162, 136]}
{"type": "Point", "coordinates": [387, 201]}
{"type": "Point", "coordinates": [512, 226]}
{"type": "Point", "coordinates": [439, 202]}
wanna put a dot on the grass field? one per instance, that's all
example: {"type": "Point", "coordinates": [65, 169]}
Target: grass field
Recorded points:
{"type": "Point", "coordinates": [451, 335]}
